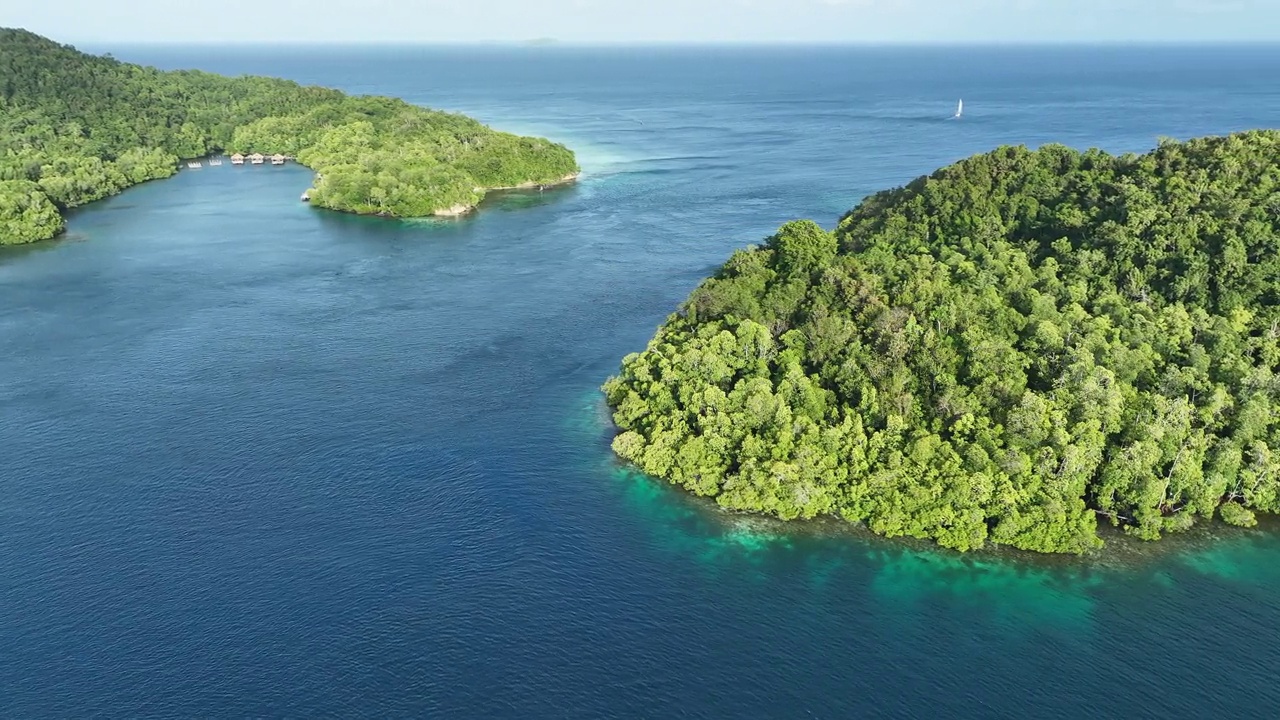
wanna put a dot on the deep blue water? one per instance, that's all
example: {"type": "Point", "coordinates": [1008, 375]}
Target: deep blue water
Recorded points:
{"type": "Point", "coordinates": [261, 460]}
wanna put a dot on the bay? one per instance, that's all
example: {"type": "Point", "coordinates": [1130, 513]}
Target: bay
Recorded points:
{"type": "Point", "coordinates": [259, 460]}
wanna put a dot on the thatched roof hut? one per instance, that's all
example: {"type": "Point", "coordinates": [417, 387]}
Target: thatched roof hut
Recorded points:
{"type": "Point", "coordinates": [256, 158]}
{"type": "Point", "coordinates": [237, 159]}
{"type": "Point", "coordinates": [277, 159]}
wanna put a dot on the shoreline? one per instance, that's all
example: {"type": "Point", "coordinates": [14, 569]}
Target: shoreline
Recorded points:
{"type": "Point", "coordinates": [451, 212]}
{"type": "Point", "coordinates": [566, 180]}
{"type": "Point", "coordinates": [1119, 551]}
{"type": "Point", "coordinates": [459, 210]}
{"type": "Point", "coordinates": [405, 136]}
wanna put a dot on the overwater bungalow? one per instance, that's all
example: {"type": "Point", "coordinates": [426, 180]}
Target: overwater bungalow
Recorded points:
{"type": "Point", "coordinates": [237, 159]}
{"type": "Point", "coordinates": [256, 159]}
{"type": "Point", "coordinates": [194, 165]}
{"type": "Point", "coordinates": [277, 159]}
{"type": "Point", "coordinates": [215, 161]}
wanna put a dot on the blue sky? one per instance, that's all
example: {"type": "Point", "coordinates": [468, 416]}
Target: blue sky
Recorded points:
{"type": "Point", "coordinates": [636, 21]}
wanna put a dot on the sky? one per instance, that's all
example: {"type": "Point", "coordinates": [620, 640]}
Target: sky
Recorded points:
{"type": "Point", "coordinates": [645, 21]}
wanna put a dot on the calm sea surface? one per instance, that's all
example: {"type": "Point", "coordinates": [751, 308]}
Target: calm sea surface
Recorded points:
{"type": "Point", "coordinates": [260, 460]}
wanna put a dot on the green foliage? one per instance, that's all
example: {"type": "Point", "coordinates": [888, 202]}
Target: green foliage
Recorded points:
{"type": "Point", "coordinates": [1238, 515]}
{"type": "Point", "coordinates": [83, 127]}
{"type": "Point", "coordinates": [26, 215]}
{"type": "Point", "coordinates": [1003, 352]}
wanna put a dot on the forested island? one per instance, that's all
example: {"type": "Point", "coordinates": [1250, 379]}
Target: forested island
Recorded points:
{"type": "Point", "coordinates": [75, 128]}
{"type": "Point", "coordinates": [1008, 351]}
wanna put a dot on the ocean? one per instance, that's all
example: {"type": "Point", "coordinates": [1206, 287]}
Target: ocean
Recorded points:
{"type": "Point", "coordinates": [259, 460]}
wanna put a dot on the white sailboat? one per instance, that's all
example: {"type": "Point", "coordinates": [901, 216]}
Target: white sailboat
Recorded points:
{"type": "Point", "coordinates": [959, 110]}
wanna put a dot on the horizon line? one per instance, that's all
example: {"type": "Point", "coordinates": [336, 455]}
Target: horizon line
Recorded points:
{"type": "Point", "coordinates": [552, 44]}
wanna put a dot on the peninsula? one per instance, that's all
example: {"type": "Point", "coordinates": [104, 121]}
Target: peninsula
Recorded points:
{"type": "Point", "coordinates": [75, 128]}
{"type": "Point", "coordinates": [1009, 351]}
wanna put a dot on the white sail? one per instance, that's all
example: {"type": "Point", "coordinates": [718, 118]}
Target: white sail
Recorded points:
{"type": "Point", "coordinates": [960, 109]}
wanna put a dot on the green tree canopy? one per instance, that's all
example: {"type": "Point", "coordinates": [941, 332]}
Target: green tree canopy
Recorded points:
{"type": "Point", "coordinates": [26, 212]}
{"type": "Point", "coordinates": [1004, 352]}
{"type": "Point", "coordinates": [82, 127]}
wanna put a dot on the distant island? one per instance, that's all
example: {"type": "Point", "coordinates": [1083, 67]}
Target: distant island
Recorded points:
{"type": "Point", "coordinates": [75, 128]}
{"type": "Point", "coordinates": [1005, 352]}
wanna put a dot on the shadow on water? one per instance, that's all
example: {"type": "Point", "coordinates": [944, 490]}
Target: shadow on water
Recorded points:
{"type": "Point", "coordinates": [1014, 587]}
{"type": "Point", "coordinates": [523, 199]}
{"type": "Point", "coordinates": [498, 200]}
{"type": "Point", "coordinates": [16, 253]}
{"type": "Point", "coordinates": [369, 227]}
{"type": "Point", "coordinates": [72, 235]}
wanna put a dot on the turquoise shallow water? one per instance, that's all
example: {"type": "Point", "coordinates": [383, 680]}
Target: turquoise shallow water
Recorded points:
{"type": "Point", "coordinates": [260, 460]}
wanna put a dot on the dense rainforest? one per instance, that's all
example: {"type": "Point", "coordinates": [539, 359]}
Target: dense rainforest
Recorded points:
{"type": "Point", "coordinates": [75, 128]}
{"type": "Point", "coordinates": [1008, 351]}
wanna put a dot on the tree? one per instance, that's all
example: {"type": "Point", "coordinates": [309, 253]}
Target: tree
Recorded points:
{"type": "Point", "coordinates": [85, 127]}
{"type": "Point", "coordinates": [26, 213]}
{"type": "Point", "coordinates": [1004, 351]}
